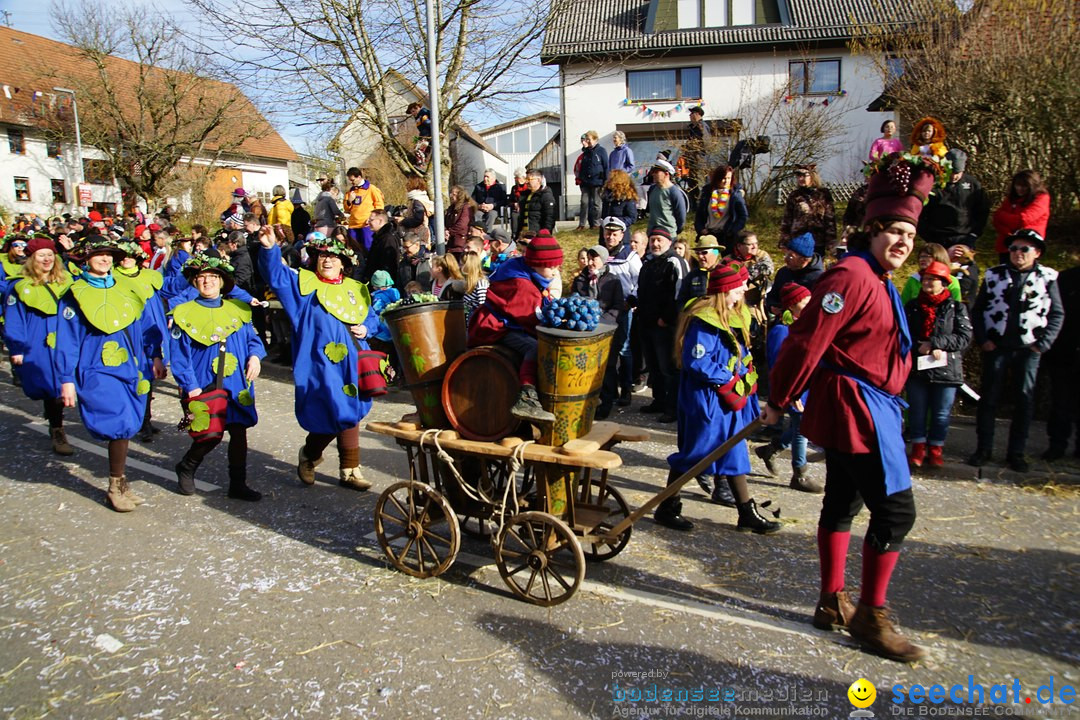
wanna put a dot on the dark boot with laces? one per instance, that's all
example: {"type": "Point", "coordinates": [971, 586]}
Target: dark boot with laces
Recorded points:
{"type": "Point", "coordinates": [751, 519]}
{"type": "Point", "coordinates": [873, 628]}
{"type": "Point", "coordinates": [528, 406]}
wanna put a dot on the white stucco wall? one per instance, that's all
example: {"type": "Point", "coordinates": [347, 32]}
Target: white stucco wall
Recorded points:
{"type": "Point", "coordinates": [732, 87]}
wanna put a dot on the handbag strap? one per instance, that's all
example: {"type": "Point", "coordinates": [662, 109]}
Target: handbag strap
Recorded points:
{"type": "Point", "coordinates": [219, 376]}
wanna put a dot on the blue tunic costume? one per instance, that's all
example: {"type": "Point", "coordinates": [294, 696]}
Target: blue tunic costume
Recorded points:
{"type": "Point", "coordinates": [31, 320]}
{"type": "Point", "coordinates": [708, 357]}
{"type": "Point", "coordinates": [101, 337]}
{"type": "Point", "coordinates": [194, 352]}
{"type": "Point", "coordinates": [147, 285]}
{"type": "Point", "coordinates": [324, 351]}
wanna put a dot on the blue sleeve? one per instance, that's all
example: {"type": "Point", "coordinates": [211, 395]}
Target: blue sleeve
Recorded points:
{"type": "Point", "coordinates": [704, 355]}
{"type": "Point", "coordinates": [284, 282]}
{"type": "Point", "coordinates": [371, 322]}
{"type": "Point", "coordinates": [678, 206]}
{"type": "Point", "coordinates": [630, 164]}
{"type": "Point", "coordinates": [254, 346]}
{"type": "Point", "coordinates": [172, 287]}
{"type": "Point", "coordinates": [70, 335]}
{"type": "Point", "coordinates": [15, 327]}
{"type": "Point", "coordinates": [777, 335]}
{"type": "Point", "coordinates": [180, 362]}
{"type": "Point", "coordinates": [153, 329]}
{"type": "Point", "coordinates": [739, 213]}
{"type": "Point", "coordinates": [239, 293]}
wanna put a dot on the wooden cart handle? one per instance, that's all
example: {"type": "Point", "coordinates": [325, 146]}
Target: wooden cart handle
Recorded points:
{"type": "Point", "coordinates": [686, 477]}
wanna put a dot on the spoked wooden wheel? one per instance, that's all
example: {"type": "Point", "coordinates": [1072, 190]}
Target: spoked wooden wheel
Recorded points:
{"type": "Point", "coordinates": [539, 558]}
{"type": "Point", "coordinates": [417, 529]}
{"type": "Point", "coordinates": [618, 510]}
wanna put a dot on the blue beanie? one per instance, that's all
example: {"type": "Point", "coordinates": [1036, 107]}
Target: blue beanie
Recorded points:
{"type": "Point", "coordinates": [803, 245]}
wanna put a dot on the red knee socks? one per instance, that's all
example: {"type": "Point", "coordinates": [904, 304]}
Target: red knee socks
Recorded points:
{"type": "Point", "coordinates": [832, 552]}
{"type": "Point", "coordinates": [877, 568]}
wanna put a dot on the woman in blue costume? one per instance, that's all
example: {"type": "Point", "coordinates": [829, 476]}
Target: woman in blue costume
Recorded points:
{"type": "Point", "coordinates": [101, 337]}
{"type": "Point", "coordinates": [31, 317]}
{"type": "Point", "coordinates": [331, 319]}
{"type": "Point", "coordinates": [147, 285]}
{"type": "Point", "coordinates": [201, 329]}
{"type": "Point", "coordinates": [717, 394]}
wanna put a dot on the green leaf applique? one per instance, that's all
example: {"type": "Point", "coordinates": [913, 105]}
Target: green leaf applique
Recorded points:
{"type": "Point", "coordinates": [406, 339]}
{"type": "Point", "coordinates": [230, 365]}
{"type": "Point", "coordinates": [335, 351]}
{"type": "Point", "coordinates": [200, 413]}
{"type": "Point", "coordinates": [350, 390]}
{"type": "Point", "coordinates": [50, 340]}
{"type": "Point", "coordinates": [245, 398]}
{"type": "Point", "coordinates": [143, 387]}
{"type": "Point", "coordinates": [418, 362]}
{"type": "Point", "coordinates": [113, 355]}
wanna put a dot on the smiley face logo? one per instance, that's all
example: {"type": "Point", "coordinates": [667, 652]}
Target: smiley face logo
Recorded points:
{"type": "Point", "coordinates": [862, 693]}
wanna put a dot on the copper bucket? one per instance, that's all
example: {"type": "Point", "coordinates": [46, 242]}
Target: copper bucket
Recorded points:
{"type": "Point", "coordinates": [428, 337]}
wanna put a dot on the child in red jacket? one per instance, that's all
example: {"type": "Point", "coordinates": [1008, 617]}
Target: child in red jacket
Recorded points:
{"type": "Point", "coordinates": [509, 315]}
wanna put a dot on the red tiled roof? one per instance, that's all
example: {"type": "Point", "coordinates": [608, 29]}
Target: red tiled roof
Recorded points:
{"type": "Point", "coordinates": [26, 92]}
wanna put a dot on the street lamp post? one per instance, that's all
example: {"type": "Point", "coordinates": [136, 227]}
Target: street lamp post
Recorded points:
{"type": "Point", "coordinates": [433, 106]}
{"type": "Point", "coordinates": [78, 135]}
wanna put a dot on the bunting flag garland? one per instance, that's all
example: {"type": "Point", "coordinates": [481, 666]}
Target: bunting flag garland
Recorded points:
{"type": "Point", "coordinates": [654, 113]}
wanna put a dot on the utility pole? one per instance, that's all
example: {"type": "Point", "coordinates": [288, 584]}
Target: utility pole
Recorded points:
{"type": "Point", "coordinates": [78, 135]}
{"type": "Point", "coordinates": [433, 106]}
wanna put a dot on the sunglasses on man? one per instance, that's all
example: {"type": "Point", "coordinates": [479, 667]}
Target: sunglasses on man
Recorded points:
{"type": "Point", "coordinates": [1025, 249]}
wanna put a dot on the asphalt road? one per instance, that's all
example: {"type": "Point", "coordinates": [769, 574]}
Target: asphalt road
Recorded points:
{"type": "Point", "coordinates": [204, 607]}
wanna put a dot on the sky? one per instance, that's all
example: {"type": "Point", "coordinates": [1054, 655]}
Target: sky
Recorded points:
{"type": "Point", "coordinates": [34, 16]}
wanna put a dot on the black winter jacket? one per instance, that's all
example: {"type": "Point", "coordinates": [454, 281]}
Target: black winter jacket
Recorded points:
{"type": "Point", "coordinates": [952, 333]}
{"type": "Point", "coordinates": [538, 212]}
{"type": "Point", "coordinates": [658, 286]}
{"type": "Point", "coordinates": [807, 277]}
{"type": "Point", "coordinates": [607, 291]}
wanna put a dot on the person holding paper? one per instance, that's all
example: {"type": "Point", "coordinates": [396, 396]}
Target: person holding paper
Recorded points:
{"type": "Point", "coordinates": [941, 331]}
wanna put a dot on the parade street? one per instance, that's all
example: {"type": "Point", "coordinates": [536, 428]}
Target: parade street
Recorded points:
{"type": "Point", "coordinates": [205, 607]}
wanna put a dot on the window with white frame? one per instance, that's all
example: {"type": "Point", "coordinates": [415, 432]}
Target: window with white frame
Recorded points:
{"type": "Point", "coordinates": [726, 13]}
{"type": "Point", "coordinates": [670, 84]}
{"type": "Point", "coordinates": [22, 189]}
{"type": "Point", "coordinates": [814, 77]}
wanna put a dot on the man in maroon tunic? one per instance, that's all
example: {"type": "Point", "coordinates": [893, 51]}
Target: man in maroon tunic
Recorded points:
{"type": "Point", "coordinates": [852, 349]}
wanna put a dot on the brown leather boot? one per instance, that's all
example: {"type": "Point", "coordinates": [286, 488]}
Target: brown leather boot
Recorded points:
{"type": "Point", "coordinates": [119, 501]}
{"type": "Point", "coordinates": [60, 444]}
{"type": "Point", "coordinates": [872, 627]}
{"type": "Point", "coordinates": [833, 611]}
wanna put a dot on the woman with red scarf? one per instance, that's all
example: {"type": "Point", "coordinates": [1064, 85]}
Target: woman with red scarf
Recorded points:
{"type": "Point", "coordinates": [941, 331]}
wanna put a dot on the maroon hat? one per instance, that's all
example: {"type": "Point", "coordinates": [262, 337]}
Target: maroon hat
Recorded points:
{"type": "Point", "coordinates": [727, 276]}
{"type": "Point", "coordinates": [898, 192]}
{"type": "Point", "coordinates": [544, 251]}
{"type": "Point", "coordinates": [39, 242]}
{"type": "Point", "coordinates": [792, 294]}
{"type": "Point", "coordinates": [662, 232]}
{"type": "Point", "coordinates": [154, 227]}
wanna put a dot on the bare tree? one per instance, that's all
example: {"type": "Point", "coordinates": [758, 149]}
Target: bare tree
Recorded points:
{"type": "Point", "coordinates": [144, 99]}
{"type": "Point", "coordinates": [1002, 78]}
{"type": "Point", "coordinates": [335, 61]}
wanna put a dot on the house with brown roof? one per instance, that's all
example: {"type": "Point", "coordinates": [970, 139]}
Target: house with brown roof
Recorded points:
{"type": "Point", "coordinates": [39, 172]}
{"type": "Point", "coordinates": [638, 66]}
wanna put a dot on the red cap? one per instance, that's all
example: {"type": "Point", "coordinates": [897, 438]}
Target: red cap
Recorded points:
{"type": "Point", "coordinates": [95, 216]}
{"type": "Point", "coordinates": [139, 230]}
{"type": "Point", "coordinates": [792, 294]}
{"type": "Point", "coordinates": [727, 276]}
{"type": "Point", "coordinates": [544, 251]}
{"type": "Point", "coordinates": [154, 227]}
{"type": "Point", "coordinates": [936, 269]}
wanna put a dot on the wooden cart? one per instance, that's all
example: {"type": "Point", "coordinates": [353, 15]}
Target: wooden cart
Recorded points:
{"type": "Point", "coordinates": [546, 509]}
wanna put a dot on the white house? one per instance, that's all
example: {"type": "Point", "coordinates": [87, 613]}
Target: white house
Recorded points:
{"type": "Point", "coordinates": [639, 65]}
{"type": "Point", "coordinates": [518, 141]}
{"type": "Point", "coordinates": [39, 174]}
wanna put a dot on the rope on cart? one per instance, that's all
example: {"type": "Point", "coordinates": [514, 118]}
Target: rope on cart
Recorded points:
{"type": "Point", "coordinates": [517, 460]}
{"type": "Point", "coordinates": [446, 458]}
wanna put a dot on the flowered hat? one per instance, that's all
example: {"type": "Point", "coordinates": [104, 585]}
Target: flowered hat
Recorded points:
{"type": "Point", "coordinates": [898, 189]}
{"type": "Point", "coordinates": [201, 262]}
{"type": "Point", "coordinates": [133, 249]}
{"type": "Point", "coordinates": [98, 244]}
{"type": "Point", "coordinates": [327, 246]}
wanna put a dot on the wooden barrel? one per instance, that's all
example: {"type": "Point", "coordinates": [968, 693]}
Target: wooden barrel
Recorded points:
{"type": "Point", "coordinates": [479, 389]}
{"type": "Point", "coordinates": [570, 371]}
{"type": "Point", "coordinates": [427, 337]}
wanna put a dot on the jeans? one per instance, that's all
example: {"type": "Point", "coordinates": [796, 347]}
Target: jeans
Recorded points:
{"type": "Point", "coordinates": [589, 213]}
{"type": "Point", "coordinates": [933, 399]}
{"type": "Point", "coordinates": [791, 438]}
{"type": "Point", "coordinates": [659, 344]}
{"type": "Point", "coordinates": [1023, 365]}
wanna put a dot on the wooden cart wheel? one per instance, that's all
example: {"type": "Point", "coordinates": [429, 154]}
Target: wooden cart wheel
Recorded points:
{"type": "Point", "coordinates": [539, 558]}
{"type": "Point", "coordinates": [417, 529]}
{"type": "Point", "coordinates": [618, 510]}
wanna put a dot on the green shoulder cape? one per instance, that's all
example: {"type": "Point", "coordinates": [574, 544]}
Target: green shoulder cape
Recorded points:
{"type": "Point", "coordinates": [211, 325]}
{"type": "Point", "coordinates": [348, 302]}
{"type": "Point", "coordinates": [144, 281]}
{"type": "Point", "coordinates": [12, 270]}
{"type": "Point", "coordinates": [107, 309]}
{"type": "Point", "coordinates": [39, 297]}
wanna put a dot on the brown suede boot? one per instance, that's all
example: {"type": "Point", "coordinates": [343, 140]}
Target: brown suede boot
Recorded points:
{"type": "Point", "coordinates": [305, 467]}
{"type": "Point", "coordinates": [353, 478]}
{"type": "Point", "coordinates": [60, 444]}
{"type": "Point", "coordinates": [833, 611]}
{"type": "Point", "coordinates": [873, 629]}
{"type": "Point", "coordinates": [119, 501]}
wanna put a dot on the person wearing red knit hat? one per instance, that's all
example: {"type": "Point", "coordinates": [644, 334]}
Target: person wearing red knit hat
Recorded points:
{"type": "Point", "coordinates": [519, 289]}
{"type": "Point", "coordinates": [793, 299]}
{"type": "Point", "coordinates": [852, 348]}
{"type": "Point", "coordinates": [717, 395]}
